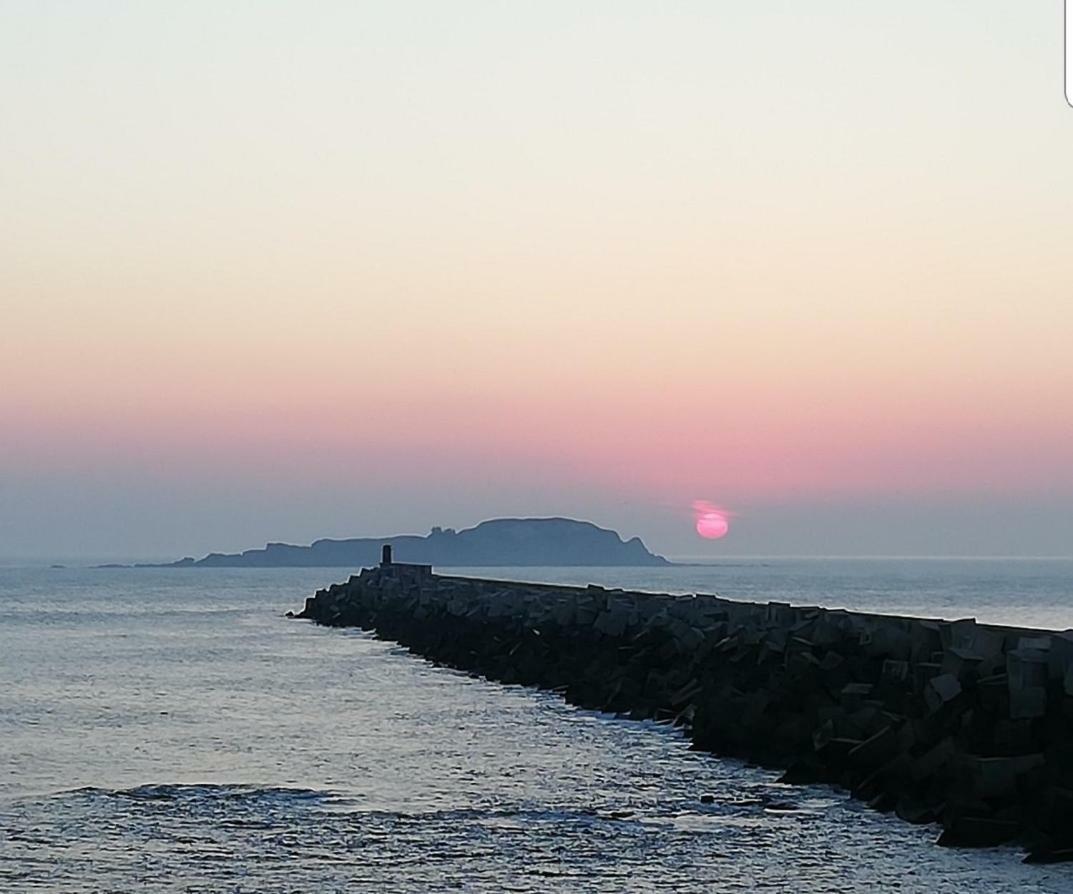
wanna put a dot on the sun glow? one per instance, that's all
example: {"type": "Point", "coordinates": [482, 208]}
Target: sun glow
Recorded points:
{"type": "Point", "coordinates": [713, 523]}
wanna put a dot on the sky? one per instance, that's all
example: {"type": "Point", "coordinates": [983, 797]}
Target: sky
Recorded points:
{"type": "Point", "coordinates": [280, 271]}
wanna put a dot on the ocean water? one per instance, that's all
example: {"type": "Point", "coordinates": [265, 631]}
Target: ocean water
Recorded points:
{"type": "Point", "coordinates": [170, 730]}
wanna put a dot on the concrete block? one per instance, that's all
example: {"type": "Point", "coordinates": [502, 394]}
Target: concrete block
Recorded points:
{"type": "Point", "coordinates": [826, 631]}
{"type": "Point", "coordinates": [685, 693]}
{"type": "Point", "coordinates": [941, 690]}
{"type": "Point", "coordinates": [960, 662]}
{"type": "Point", "coordinates": [853, 695]}
{"type": "Point", "coordinates": [686, 638]}
{"type": "Point", "coordinates": [923, 671]}
{"type": "Point", "coordinates": [895, 670]}
{"type": "Point", "coordinates": [1060, 656]}
{"type": "Point", "coordinates": [876, 750]}
{"type": "Point", "coordinates": [1027, 668]}
{"type": "Point", "coordinates": [1028, 702]}
{"type": "Point", "coordinates": [832, 661]}
{"type": "Point", "coordinates": [1013, 736]}
{"type": "Point", "coordinates": [925, 639]}
{"type": "Point", "coordinates": [995, 777]}
{"type": "Point", "coordinates": [776, 639]}
{"type": "Point", "coordinates": [612, 622]}
{"type": "Point", "coordinates": [959, 634]}
{"type": "Point", "coordinates": [933, 760]}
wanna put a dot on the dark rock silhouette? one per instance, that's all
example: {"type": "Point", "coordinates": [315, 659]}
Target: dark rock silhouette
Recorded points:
{"type": "Point", "coordinates": [501, 541]}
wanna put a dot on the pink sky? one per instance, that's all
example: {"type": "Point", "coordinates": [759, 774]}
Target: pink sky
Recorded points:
{"type": "Point", "coordinates": [329, 270]}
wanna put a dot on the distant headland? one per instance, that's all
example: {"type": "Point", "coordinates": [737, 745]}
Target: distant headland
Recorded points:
{"type": "Point", "coordinates": [500, 541]}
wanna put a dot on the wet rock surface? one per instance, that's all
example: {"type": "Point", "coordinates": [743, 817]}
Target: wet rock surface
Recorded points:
{"type": "Point", "coordinates": [951, 722]}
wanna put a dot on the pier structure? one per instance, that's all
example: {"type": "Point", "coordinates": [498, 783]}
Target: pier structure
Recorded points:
{"type": "Point", "coordinates": [965, 725]}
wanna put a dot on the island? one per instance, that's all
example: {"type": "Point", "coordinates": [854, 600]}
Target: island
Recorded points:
{"type": "Point", "coordinates": [500, 541]}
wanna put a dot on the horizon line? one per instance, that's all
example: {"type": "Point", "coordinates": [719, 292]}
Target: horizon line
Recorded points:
{"type": "Point", "coordinates": [84, 561]}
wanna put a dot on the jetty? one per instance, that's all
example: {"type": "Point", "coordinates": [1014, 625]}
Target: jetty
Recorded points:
{"type": "Point", "coordinates": [964, 725]}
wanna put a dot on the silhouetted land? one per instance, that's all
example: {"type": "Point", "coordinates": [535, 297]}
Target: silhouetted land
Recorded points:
{"type": "Point", "coordinates": [501, 541]}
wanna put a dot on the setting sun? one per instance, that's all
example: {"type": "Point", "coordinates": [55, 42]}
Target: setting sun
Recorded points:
{"type": "Point", "coordinates": [712, 522]}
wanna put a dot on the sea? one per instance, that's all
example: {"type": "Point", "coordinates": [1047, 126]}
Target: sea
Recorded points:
{"type": "Point", "coordinates": [170, 730]}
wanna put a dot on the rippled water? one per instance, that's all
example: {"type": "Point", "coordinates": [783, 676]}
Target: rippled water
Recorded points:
{"type": "Point", "coordinates": [169, 730]}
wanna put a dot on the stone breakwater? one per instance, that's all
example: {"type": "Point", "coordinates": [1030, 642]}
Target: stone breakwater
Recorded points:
{"type": "Point", "coordinates": [966, 725]}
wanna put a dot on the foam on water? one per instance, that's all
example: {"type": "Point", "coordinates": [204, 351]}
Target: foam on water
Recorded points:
{"type": "Point", "coordinates": [168, 730]}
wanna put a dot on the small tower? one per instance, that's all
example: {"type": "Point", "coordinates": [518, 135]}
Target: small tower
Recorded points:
{"type": "Point", "coordinates": [385, 554]}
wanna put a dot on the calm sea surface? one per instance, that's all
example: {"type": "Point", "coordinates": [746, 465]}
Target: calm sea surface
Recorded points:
{"type": "Point", "coordinates": [169, 730]}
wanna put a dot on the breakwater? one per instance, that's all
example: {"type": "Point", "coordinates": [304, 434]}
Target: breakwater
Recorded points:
{"type": "Point", "coordinates": [966, 725]}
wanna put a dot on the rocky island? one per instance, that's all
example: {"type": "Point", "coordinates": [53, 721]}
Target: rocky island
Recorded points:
{"type": "Point", "coordinates": [501, 541]}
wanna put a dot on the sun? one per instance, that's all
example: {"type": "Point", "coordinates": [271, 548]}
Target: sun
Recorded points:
{"type": "Point", "coordinates": [713, 523]}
